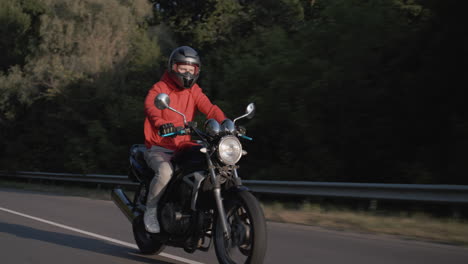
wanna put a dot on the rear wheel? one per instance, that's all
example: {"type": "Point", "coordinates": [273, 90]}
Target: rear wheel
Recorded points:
{"type": "Point", "coordinates": [145, 241]}
{"type": "Point", "coordinates": [247, 229]}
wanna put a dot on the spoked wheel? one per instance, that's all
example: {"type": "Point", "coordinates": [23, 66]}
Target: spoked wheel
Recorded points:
{"type": "Point", "coordinates": [145, 241]}
{"type": "Point", "coordinates": [246, 224]}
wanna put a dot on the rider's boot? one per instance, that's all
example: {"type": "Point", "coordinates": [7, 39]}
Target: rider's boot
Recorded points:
{"type": "Point", "coordinates": [151, 218]}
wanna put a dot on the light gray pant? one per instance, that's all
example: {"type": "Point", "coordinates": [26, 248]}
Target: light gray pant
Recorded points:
{"type": "Point", "coordinates": [158, 159]}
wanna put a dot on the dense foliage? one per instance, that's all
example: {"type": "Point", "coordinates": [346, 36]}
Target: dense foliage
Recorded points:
{"type": "Point", "coordinates": [346, 90]}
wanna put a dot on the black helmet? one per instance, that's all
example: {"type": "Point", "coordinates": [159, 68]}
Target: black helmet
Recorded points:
{"type": "Point", "coordinates": [184, 56]}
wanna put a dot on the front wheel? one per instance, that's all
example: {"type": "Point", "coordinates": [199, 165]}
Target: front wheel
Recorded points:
{"type": "Point", "coordinates": [144, 240]}
{"type": "Point", "coordinates": [247, 228]}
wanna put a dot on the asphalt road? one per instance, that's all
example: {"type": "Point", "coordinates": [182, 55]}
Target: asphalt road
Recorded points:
{"type": "Point", "coordinates": [52, 229]}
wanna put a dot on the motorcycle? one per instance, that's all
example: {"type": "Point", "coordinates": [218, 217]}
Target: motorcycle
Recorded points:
{"type": "Point", "coordinates": [205, 201]}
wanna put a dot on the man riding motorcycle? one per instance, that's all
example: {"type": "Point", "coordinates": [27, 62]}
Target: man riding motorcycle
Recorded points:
{"type": "Point", "coordinates": [178, 81]}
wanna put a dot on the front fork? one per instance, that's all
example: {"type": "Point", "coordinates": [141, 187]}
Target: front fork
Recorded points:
{"type": "Point", "coordinates": [218, 198]}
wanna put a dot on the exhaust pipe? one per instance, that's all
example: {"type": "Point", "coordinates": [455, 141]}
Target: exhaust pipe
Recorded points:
{"type": "Point", "coordinates": [124, 204]}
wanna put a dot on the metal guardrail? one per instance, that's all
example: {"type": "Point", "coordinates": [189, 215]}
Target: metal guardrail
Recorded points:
{"type": "Point", "coordinates": [71, 177]}
{"type": "Point", "coordinates": [377, 191]}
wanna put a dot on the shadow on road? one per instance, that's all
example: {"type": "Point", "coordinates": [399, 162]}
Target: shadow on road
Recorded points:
{"type": "Point", "coordinates": [78, 242]}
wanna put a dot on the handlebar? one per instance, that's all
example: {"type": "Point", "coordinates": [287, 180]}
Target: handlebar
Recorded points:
{"type": "Point", "coordinates": [246, 137]}
{"type": "Point", "coordinates": [187, 131]}
{"type": "Point", "coordinates": [179, 132]}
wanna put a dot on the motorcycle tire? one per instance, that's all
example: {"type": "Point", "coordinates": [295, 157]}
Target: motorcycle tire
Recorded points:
{"type": "Point", "coordinates": [145, 241]}
{"type": "Point", "coordinates": [247, 227]}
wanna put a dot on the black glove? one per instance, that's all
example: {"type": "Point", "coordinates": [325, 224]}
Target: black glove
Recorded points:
{"type": "Point", "coordinates": [241, 130]}
{"type": "Point", "coordinates": [166, 129]}
{"type": "Point", "coordinates": [192, 124]}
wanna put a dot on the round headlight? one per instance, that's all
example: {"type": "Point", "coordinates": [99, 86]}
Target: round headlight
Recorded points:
{"type": "Point", "coordinates": [229, 150]}
{"type": "Point", "coordinates": [228, 126]}
{"type": "Point", "coordinates": [212, 127]}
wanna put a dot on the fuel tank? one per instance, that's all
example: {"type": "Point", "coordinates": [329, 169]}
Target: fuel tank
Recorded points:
{"type": "Point", "coordinates": [188, 158]}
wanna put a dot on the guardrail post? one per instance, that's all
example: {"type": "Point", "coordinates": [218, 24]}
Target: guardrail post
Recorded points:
{"type": "Point", "coordinates": [456, 212]}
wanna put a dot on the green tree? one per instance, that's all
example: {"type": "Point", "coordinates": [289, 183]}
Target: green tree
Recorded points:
{"type": "Point", "coordinates": [18, 31]}
{"type": "Point", "coordinates": [78, 90]}
{"type": "Point", "coordinates": [346, 90]}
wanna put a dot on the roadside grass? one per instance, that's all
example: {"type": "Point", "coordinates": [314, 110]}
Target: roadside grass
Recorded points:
{"type": "Point", "coordinates": [417, 226]}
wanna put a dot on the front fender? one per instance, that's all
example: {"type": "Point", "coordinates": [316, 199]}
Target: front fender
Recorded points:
{"type": "Point", "coordinates": [236, 189]}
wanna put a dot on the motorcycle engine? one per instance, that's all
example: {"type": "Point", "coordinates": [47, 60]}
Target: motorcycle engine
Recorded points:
{"type": "Point", "coordinates": [174, 220]}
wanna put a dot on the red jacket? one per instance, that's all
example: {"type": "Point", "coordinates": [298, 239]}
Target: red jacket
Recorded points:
{"type": "Point", "coordinates": [186, 101]}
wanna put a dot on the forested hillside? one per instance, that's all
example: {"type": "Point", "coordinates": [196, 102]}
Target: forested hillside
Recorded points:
{"type": "Point", "coordinates": [346, 90]}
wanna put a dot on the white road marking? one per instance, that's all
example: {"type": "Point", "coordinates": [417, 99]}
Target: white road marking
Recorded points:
{"type": "Point", "coordinates": [115, 241]}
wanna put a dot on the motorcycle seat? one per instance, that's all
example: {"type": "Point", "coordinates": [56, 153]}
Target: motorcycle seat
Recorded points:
{"type": "Point", "coordinates": [137, 151]}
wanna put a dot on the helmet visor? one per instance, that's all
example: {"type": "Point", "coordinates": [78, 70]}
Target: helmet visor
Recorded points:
{"type": "Point", "coordinates": [185, 67]}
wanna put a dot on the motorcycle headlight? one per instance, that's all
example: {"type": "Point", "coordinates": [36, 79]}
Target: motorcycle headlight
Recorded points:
{"type": "Point", "coordinates": [229, 150]}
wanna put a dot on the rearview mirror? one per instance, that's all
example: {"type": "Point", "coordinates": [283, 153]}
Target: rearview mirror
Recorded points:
{"type": "Point", "coordinates": [250, 111]}
{"type": "Point", "coordinates": [162, 101]}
